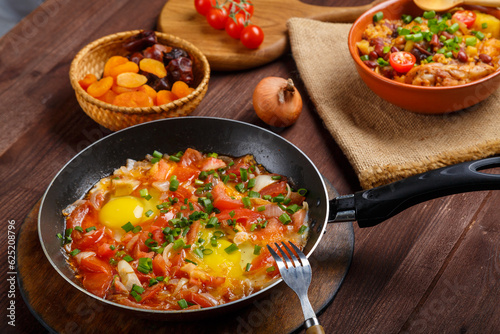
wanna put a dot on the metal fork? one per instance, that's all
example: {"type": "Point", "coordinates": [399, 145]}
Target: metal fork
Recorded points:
{"type": "Point", "coordinates": [297, 275]}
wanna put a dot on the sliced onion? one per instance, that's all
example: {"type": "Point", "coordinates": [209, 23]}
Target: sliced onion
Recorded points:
{"type": "Point", "coordinates": [69, 209]}
{"type": "Point", "coordinates": [272, 210]}
{"type": "Point", "coordinates": [183, 281]}
{"type": "Point", "coordinates": [166, 252]}
{"type": "Point", "coordinates": [130, 163]}
{"type": "Point", "coordinates": [240, 237]}
{"type": "Point", "coordinates": [210, 298]}
{"type": "Point", "coordinates": [82, 255]}
{"type": "Point", "coordinates": [161, 185]}
{"type": "Point", "coordinates": [262, 181]}
{"type": "Point", "coordinates": [132, 242]}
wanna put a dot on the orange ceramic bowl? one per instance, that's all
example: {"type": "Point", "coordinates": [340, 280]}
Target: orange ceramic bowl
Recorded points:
{"type": "Point", "coordinates": [425, 100]}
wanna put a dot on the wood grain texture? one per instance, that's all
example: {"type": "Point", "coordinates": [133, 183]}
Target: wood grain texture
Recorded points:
{"type": "Point", "coordinates": [179, 18]}
{"type": "Point", "coordinates": [403, 270]}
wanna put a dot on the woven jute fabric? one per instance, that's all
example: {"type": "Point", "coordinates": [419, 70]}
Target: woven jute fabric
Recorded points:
{"type": "Point", "coordinates": [383, 142]}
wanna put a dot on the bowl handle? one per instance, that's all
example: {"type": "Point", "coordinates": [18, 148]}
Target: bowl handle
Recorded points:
{"type": "Point", "coordinates": [373, 206]}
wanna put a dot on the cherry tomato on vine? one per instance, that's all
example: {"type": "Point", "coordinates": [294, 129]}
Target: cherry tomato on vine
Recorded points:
{"type": "Point", "coordinates": [252, 36]}
{"type": "Point", "coordinates": [466, 16]}
{"type": "Point", "coordinates": [217, 17]}
{"type": "Point", "coordinates": [246, 5]}
{"type": "Point", "coordinates": [203, 6]}
{"type": "Point", "coordinates": [235, 25]}
{"type": "Point", "coordinates": [402, 61]}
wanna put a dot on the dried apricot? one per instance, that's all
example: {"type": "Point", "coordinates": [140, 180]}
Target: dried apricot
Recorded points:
{"type": "Point", "coordinates": [181, 89]}
{"type": "Point", "coordinates": [153, 66]}
{"type": "Point", "coordinates": [113, 62]}
{"type": "Point", "coordinates": [134, 99]}
{"type": "Point", "coordinates": [99, 88]}
{"type": "Point", "coordinates": [119, 89]}
{"type": "Point", "coordinates": [129, 66]}
{"type": "Point", "coordinates": [131, 80]}
{"type": "Point", "coordinates": [164, 97]}
{"type": "Point", "coordinates": [148, 90]}
{"type": "Point", "coordinates": [88, 80]}
{"type": "Point", "coordinates": [108, 97]}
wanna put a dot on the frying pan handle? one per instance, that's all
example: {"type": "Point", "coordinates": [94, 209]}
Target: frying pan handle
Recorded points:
{"type": "Point", "coordinates": [373, 206]}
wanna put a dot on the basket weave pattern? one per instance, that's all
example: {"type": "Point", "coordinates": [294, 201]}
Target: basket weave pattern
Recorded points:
{"type": "Point", "coordinates": [91, 59]}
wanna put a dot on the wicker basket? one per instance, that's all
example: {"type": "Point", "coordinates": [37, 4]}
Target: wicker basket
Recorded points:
{"type": "Point", "coordinates": [91, 59]}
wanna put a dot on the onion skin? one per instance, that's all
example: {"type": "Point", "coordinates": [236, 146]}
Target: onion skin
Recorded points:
{"type": "Point", "coordinates": [273, 109]}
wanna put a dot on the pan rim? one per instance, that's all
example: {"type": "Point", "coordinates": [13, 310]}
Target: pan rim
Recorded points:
{"type": "Point", "coordinates": [241, 301]}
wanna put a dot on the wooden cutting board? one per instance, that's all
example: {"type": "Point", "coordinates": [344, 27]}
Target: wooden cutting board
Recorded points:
{"type": "Point", "coordinates": [179, 18]}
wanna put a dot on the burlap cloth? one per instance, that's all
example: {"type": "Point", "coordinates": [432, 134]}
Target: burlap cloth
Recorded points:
{"type": "Point", "coordinates": [383, 142]}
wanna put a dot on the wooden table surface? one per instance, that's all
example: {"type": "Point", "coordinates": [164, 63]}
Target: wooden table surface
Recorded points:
{"type": "Point", "coordinates": [433, 268]}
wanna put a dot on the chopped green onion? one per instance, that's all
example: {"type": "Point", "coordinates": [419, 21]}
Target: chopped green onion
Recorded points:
{"type": "Point", "coordinates": [174, 183]}
{"type": "Point", "coordinates": [145, 265]}
{"type": "Point", "coordinates": [243, 174]}
{"type": "Point", "coordinates": [189, 261]}
{"type": "Point", "coordinates": [251, 183]}
{"type": "Point", "coordinates": [198, 252]}
{"type": "Point", "coordinates": [256, 250]}
{"type": "Point", "coordinates": [293, 208]}
{"type": "Point", "coordinates": [240, 187]}
{"type": "Point", "coordinates": [406, 18]}
{"type": "Point", "coordinates": [404, 32]}
{"type": "Point", "coordinates": [174, 158]}
{"type": "Point", "coordinates": [448, 54]}
{"type": "Point", "coordinates": [364, 58]}
{"type": "Point", "coordinates": [112, 247]}
{"type": "Point", "coordinates": [112, 262]}
{"type": "Point", "coordinates": [418, 20]}
{"type": "Point", "coordinates": [213, 241]}
{"type": "Point", "coordinates": [253, 227]}
{"type": "Point", "coordinates": [302, 191]}
{"type": "Point", "coordinates": [218, 234]}
{"type": "Point", "coordinates": [212, 222]}
{"type": "Point", "coordinates": [149, 213]}
{"type": "Point", "coordinates": [207, 251]}
{"type": "Point", "coordinates": [128, 258]}
{"type": "Point", "coordinates": [178, 244]}
{"type": "Point", "coordinates": [480, 35]}
{"type": "Point", "coordinates": [137, 229]}
{"type": "Point", "coordinates": [74, 252]}
{"type": "Point", "coordinates": [79, 228]}
{"type": "Point", "coordinates": [128, 227]}
{"type": "Point", "coordinates": [230, 249]}
{"type": "Point", "coordinates": [153, 281]}
{"type": "Point", "coordinates": [429, 15]}
{"type": "Point", "coordinates": [302, 229]}
{"type": "Point", "coordinates": [279, 198]}
{"type": "Point", "coordinates": [231, 213]}
{"type": "Point", "coordinates": [470, 41]}
{"type": "Point", "coordinates": [484, 25]}
{"type": "Point", "coordinates": [182, 303]}
{"type": "Point", "coordinates": [136, 296]}
{"type": "Point", "coordinates": [253, 194]}
{"type": "Point", "coordinates": [272, 268]}
{"type": "Point", "coordinates": [246, 202]}
{"type": "Point", "coordinates": [378, 16]}
{"type": "Point", "coordinates": [138, 289]}
{"type": "Point", "coordinates": [261, 208]}
{"type": "Point", "coordinates": [157, 154]}
{"type": "Point", "coordinates": [247, 268]}
{"type": "Point", "coordinates": [453, 28]}
{"type": "Point", "coordinates": [285, 218]}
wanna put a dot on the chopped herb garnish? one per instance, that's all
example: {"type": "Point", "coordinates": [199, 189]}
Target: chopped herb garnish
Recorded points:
{"type": "Point", "coordinates": [285, 218]}
{"type": "Point", "coordinates": [189, 261]}
{"type": "Point", "coordinates": [74, 252]}
{"type": "Point", "coordinates": [128, 258]}
{"type": "Point", "coordinates": [302, 229]}
{"type": "Point", "coordinates": [378, 16]}
{"type": "Point", "coordinates": [79, 228]}
{"type": "Point", "coordinates": [149, 213]}
{"type": "Point", "coordinates": [247, 203]}
{"type": "Point", "coordinates": [272, 268]}
{"type": "Point", "coordinates": [182, 303]}
{"type": "Point", "coordinates": [230, 249]}
{"type": "Point", "coordinates": [178, 244]}
{"type": "Point", "coordinates": [128, 227]}
{"type": "Point", "coordinates": [256, 250]}
{"type": "Point", "coordinates": [247, 268]}
{"type": "Point", "coordinates": [174, 183]}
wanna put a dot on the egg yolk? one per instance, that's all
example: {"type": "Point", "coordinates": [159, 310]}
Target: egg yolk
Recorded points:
{"type": "Point", "coordinates": [219, 261]}
{"type": "Point", "coordinates": [121, 210]}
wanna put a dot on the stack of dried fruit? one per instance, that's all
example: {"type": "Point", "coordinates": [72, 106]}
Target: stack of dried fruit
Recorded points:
{"type": "Point", "coordinates": [152, 74]}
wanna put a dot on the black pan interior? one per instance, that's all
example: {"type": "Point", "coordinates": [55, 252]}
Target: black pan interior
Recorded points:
{"type": "Point", "coordinates": [223, 136]}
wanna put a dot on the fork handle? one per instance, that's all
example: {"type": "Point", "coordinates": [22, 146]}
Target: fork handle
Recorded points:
{"type": "Point", "coordinates": [316, 329]}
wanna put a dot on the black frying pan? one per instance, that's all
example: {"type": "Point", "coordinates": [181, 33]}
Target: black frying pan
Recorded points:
{"type": "Point", "coordinates": [236, 139]}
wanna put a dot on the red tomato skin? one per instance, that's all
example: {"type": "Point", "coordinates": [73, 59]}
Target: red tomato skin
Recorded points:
{"type": "Point", "coordinates": [217, 18]}
{"type": "Point", "coordinates": [466, 16]}
{"type": "Point", "coordinates": [222, 201]}
{"type": "Point", "coordinates": [252, 36]}
{"type": "Point", "coordinates": [407, 64]}
{"type": "Point", "coordinates": [203, 6]}
{"type": "Point", "coordinates": [234, 28]}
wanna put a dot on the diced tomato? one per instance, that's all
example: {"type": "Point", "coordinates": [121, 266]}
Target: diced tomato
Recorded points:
{"type": "Point", "coordinates": [190, 157]}
{"type": "Point", "coordinates": [274, 189]}
{"type": "Point", "coordinates": [465, 16]}
{"type": "Point", "coordinates": [78, 215]}
{"type": "Point", "coordinates": [160, 171]}
{"type": "Point", "coordinates": [273, 232]}
{"type": "Point", "coordinates": [245, 217]}
{"type": "Point", "coordinates": [157, 234]}
{"type": "Point", "coordinates": [235, 169]}
{"type": "Point", "coordinates": [182, 193]}
{"type": "Point", "coordinates": [295, 198]}
{"type": "Point", "coordinates": [89, 239]}
{"type": "Point", "coordinates": [96, 265]}
{"type": "Point", "coordinates": [298, 219]}
{"type": "Point", "coordinates": [211, 163]}
{"type": "Point", "coordinates": [97, 283]}
{"type": "Point", "coordinates": [196, 298]}
{"type": "Point", "coordinates": [186, 173]}
{"type": "Point", "coordinates": [162, 220]}
{"type": "Point", "coordinates": [104, 252]}
{"type": "Point", "coordinates": [150, 293]}
{"type": "Point", "coordinates": [192, 234]}
{"type": "Point", "coordinates": [263, 261]}
{"type": "Point", "coordinates": [222, 201]}
{"type": "Point", "coordinates": [160, 267]}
